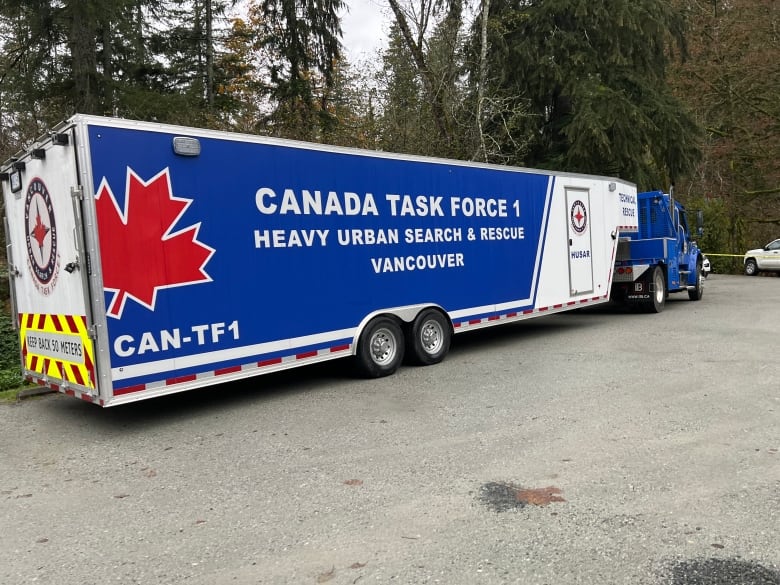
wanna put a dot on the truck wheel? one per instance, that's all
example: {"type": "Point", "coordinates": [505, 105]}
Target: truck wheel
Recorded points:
{"type": "Point", "coordinates": [658, 294]}
{"type": "Point", "coordinates": [751, 268]}
{"type": "Point", "coordinates": [380, 348]}
{"type": "Point", "coordinates": [697, 291]}
{"type": "Point", "coordinates": [430, 338]}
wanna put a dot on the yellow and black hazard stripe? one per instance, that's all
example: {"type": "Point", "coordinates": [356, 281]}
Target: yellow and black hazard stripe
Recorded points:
{"type": "Point", "coordinates": [58, 347]}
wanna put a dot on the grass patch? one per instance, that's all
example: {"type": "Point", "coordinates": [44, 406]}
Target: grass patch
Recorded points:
{"type": "Point", "coordinates": [12, 395]}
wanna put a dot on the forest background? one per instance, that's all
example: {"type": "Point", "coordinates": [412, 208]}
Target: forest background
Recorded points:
{"type": "Point", "coordinates": [658, 92]}
{"type": "Point", "coordinates": [653, 91]}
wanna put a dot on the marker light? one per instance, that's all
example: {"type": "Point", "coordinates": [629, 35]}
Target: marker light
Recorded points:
{"type": "Point", "coordinates": [186, 146]}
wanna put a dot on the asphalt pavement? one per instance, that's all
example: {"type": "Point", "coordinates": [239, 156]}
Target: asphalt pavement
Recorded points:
{"type": "Point", "coordinates": [594, 447]}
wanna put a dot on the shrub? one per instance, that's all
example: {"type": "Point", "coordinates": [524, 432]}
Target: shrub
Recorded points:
{"type": "Point", "coordinates": [10, 370]}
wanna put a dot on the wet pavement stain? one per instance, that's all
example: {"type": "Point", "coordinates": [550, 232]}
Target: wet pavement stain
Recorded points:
{"type": "Point", "coordinates": [714, 571]}
{"type": "Point", "coordinates": [501, 496]}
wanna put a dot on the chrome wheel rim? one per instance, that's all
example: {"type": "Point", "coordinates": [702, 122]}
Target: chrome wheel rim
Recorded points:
{"type": "Point", "coordinates": [431, 336]}
{"type": "Point", "coordinates": [659, 288]}
{"type": "Point", "coordinates": [384, 346]}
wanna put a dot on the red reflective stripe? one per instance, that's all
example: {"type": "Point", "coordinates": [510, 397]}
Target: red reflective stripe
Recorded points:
{"type": "Point", "coordinates": [308, 354]}
{"type": "Point", "coordinates": [90, 367]}
{"type": "Point", "coordinates": [228, 370]}
{"type": "Point", "coordinates": [55, 319]}
{"type": "Point", "coordinates": [339, 348]}
{"type": "Point", "coordinates": [129, 389]}
{"type": "Point", "coordinates": [180, 379]}
{"type": "Point", "coordinates": [77, 375]}
{"type": "Point", "coordinates": [270, 362]}
{"type": "Point", "coordinates": [74, 328]}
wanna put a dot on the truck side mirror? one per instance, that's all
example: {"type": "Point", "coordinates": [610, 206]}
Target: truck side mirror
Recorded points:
{"type": "Point", "coordinates": [700, 222]}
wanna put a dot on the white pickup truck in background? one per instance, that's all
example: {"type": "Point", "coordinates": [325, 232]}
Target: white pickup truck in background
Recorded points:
{"type": "Point", "coordinates": [766, 259]}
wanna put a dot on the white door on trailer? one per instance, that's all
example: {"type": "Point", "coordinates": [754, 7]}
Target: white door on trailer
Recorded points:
{"type": "Point", "coordinates": [580, 242]}
{"type": "Point", "coordinates": [48, 267]}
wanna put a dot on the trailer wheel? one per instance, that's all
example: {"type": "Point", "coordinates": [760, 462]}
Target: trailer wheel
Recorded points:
{"type": "Point", "coordinates": [658, 294]}
{"type": "Point", "coordinates": [697, 291]}
{"type": "Point", "coordinates": [430, 338]}
{"type": "Point", "coordinates": [380, 348]}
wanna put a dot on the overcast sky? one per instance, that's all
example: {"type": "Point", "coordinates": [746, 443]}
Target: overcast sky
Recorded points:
{"type": "Point", "coordinates": [364, 27]}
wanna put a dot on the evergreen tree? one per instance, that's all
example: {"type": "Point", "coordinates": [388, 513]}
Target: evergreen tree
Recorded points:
{"type": "Point", "coordinates": [145, 59]}
{"type": "Point", "coordinates": [592, 76]}
{"type": "Point", "coordinates": [405, 125]}
{"type": "Point", "coordinates": [173, 74]}
{"type": "Point", "coordinates": [301, 39]}
{"type": "Point", "coordinates": [32, 37]}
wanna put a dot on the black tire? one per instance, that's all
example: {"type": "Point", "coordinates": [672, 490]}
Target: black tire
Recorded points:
{"type": "Point", "coordinates": [751, 268]}
{"type": "Point", "coordinates": [697, 291]}
{"type": "Point", "coordinates": [380, 348]}
{"type": "Point", "coordinates": [430, 337]}
{"type": "Point", "coordinates": [658, 293]}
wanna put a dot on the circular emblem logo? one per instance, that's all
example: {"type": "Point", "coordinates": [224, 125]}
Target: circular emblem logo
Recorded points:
{"type": "Point", "coordinates": [41, 232]}
{"type": "Point", "coordinates": [579, 217]}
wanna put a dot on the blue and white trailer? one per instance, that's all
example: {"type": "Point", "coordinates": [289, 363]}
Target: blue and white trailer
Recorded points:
{"type": "Point", "coordinates": [148, 259]}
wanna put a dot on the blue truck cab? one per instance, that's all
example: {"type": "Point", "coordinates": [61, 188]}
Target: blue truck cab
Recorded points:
{"type": "Point", "coordinates": [660, 257]}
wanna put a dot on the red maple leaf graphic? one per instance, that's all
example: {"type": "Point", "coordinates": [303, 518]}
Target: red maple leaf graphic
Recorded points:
{"type": "Point", "coordinates": [141, 253]}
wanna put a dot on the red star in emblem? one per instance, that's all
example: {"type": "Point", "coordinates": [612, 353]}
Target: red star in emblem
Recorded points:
{"type": "Point", "coordinates": [39, 231]}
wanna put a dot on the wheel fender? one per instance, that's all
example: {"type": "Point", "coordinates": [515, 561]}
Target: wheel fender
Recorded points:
{"type": "Point", "coordinates": [435, 307]}
{"type": "Point", "coordinates": [406, 314]}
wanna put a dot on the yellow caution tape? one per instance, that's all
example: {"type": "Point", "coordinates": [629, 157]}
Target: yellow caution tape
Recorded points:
{"type": "Point", "coordinates": [743, 255]}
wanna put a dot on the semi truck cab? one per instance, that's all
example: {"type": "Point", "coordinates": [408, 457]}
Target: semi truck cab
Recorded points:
{"type": "Point", "coordinates": [661, 257]}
